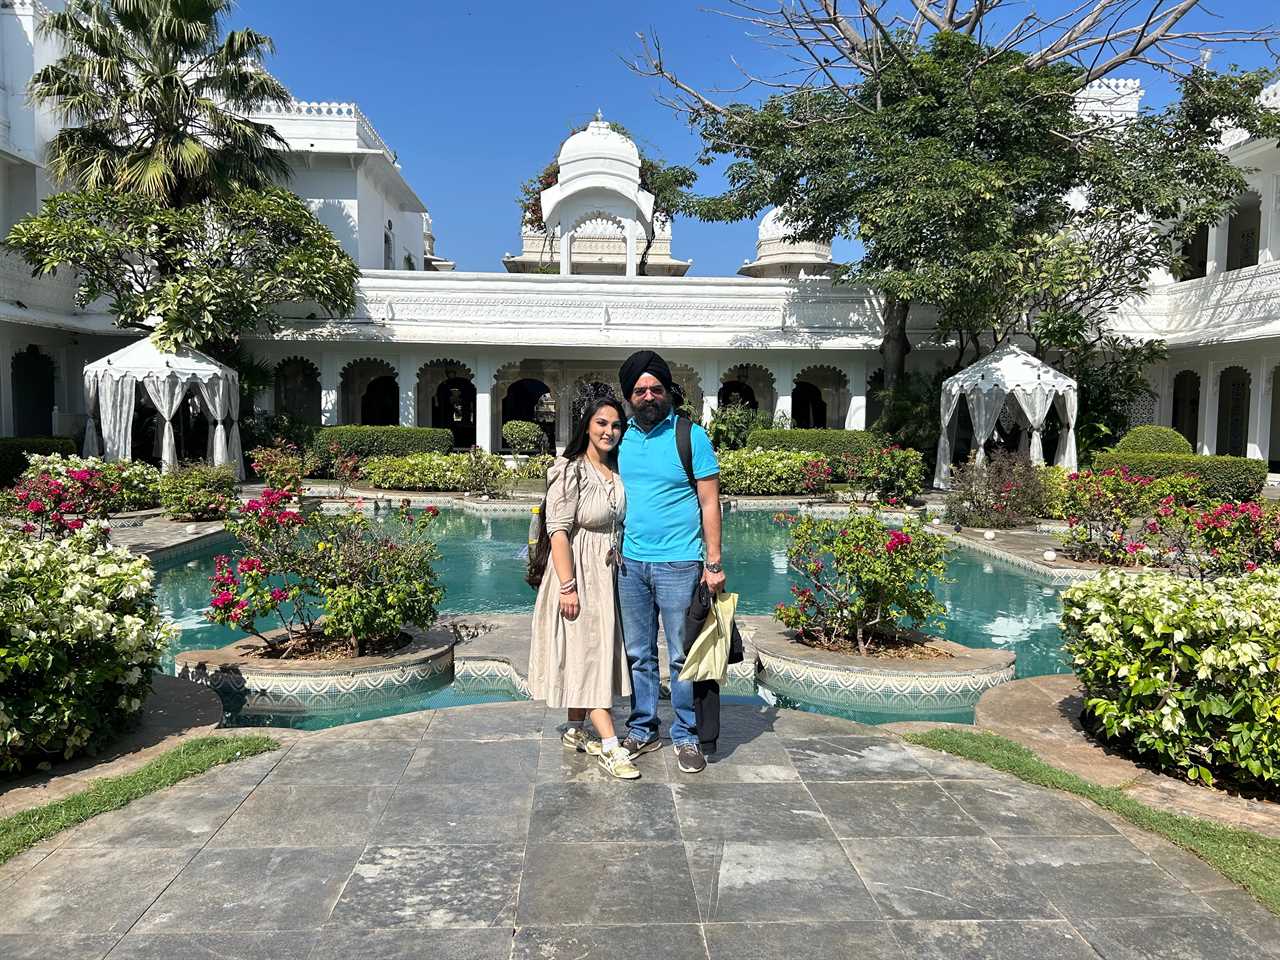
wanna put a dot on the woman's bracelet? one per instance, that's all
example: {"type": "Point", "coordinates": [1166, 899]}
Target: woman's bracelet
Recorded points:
{"type": "Point", "coordinates": [569, 586]}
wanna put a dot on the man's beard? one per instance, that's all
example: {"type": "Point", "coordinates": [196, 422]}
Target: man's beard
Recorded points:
{"type": "Point", "coordinates": [650, 412]}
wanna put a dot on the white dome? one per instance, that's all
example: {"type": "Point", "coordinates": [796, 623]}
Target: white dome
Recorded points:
{"type": "Point", "coordinates": [773, 227]}
{"type": "Point", "coordinates": [599, 142]}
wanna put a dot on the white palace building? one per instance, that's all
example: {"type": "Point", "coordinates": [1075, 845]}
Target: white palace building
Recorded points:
{"type": "Point", "coordinates": [429, 345]}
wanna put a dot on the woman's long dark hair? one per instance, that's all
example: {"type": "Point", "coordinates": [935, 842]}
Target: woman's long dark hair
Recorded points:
{"type": "Point", "coordinates": [580, 440]}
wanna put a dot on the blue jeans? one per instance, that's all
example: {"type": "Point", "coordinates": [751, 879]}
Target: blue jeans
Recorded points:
{"type": "Point", "coordinates": [646, 590]}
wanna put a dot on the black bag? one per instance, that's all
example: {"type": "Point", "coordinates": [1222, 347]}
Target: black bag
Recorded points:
{"type": "Point", "coordinates": [540, 540]}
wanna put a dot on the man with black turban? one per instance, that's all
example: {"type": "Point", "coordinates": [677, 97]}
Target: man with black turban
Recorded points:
{"type": "Point", "coordinates": [671, 541]}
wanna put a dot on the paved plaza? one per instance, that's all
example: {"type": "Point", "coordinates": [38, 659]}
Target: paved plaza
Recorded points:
{"type": "Point", "coordinates": [471, 833]}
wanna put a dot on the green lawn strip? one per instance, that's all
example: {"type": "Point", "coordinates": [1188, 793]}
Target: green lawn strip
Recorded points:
{"type": "Point", "coordinates": [1249, 859]}
{"type": "Point", "coordinates": [25, 829]}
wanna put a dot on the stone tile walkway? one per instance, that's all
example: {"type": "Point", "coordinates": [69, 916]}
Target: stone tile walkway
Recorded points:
{"type": "Point", "coordinates": [471, 834]}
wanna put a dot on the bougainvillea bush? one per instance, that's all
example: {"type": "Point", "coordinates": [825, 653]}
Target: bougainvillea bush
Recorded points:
{"type": "Point", "coordinates": [80, 636]}
{"type": "Point", "coordinates": [1113, 515]}
{"type": "Point", "coordinates": [862, 582]}
{"type": "Point", "coordinates": [1226, 539]}
{"type": "Point", "coordinates": [120, 486]}
{"type": "Point", "coordinates": [1184, 673]}
{"type": "Point", "coordinates": [282, 466]}
{"type": "Point", "coordinates": [892, 475]}
{"type": "Point", "coordinates": [298, 580]}
{"type": "Point", "coordinates": [1007, 491]}
{"type": "Point", "coordinates": [199, 491]}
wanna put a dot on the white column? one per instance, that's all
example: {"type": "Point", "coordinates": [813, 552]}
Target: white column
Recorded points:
{"type": "Point", "coordinates": [1208, 439]}
{"type": "Point", "coordinates": [856, 371]}
{"type": "Point", "coordinates": [1259, 438]}
{"type": "Point", "coordinates": [484, 404]}
{"type": "Point", "coordinates": [1164, 408]}
{"type": "Point", "coordinates": [1218, 236]}
{"type": "Point", "coordinates": [330, 380]}
{"type": "Point", "coordinates": [407, 381]}
{"type": "Point", "coordinates": [710, 375]}
{"type": "Point", "coordinates": [1269, 229]}
{"type": "Point", "coordinates": [6, 387]}
{"type": "Point", "coordinates": [784, 377]}
{"type": "Point", "coordinates": [631, 248]}
{"type": "Point", "coordinates": [566, 253]}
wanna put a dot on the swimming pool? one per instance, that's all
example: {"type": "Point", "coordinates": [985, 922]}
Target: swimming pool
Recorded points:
{"type": "Point", "coordinates": [988, 603]}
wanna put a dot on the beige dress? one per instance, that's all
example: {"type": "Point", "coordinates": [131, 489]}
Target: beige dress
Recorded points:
{"type": "Point", "coordinates": [581, 662]}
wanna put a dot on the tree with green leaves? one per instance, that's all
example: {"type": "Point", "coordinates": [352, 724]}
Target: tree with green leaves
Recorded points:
{"type": "Point", "coordinates": [155, 100]}
{"type": "Point", "coordinates": [192, 275]}
{"type": "Point", "coordinates": [941, 136]}
{"type": "Point", "coordinates": [667, 183]}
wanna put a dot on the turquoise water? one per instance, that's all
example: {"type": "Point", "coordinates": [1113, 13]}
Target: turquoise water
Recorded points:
{"type": "Point", "coordinates": [988, 604]}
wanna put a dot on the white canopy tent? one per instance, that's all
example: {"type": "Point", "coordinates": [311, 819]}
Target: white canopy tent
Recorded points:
{"type": "Point", "coordinates": [1008, 371]}
{"type": "Point", "coordinates": [110, 391]}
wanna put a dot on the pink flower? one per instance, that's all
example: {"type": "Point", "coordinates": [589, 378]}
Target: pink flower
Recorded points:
{"type": "Point", "coordinates": [1250, 566]}
{"type": "Point", "coordinates": [1133, 546]}
{"type": "Point", "coordinates": [249, 565]}
{"type": "Point", "coordinates": [74, 524]}
{"type": "Point", "coordinates": [28, 528]}
{"type": "Point", "coordinates": [35, 506]}
{"type": "Point", "coordinates": [897, 540]}
{"type": "Point", "coordinates": [221, 600]}
{"type": "Point", "coordinates": [277, 595]}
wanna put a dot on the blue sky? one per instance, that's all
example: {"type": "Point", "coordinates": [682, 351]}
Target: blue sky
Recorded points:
{"type": "Point", "coordinates": [476, 98]}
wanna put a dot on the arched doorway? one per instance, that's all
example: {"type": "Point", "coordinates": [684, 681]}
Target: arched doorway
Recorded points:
{"type": "Point", "coordinates": [875, 402]}
{"type": "Point", "coordinates": [33, 388]}
{"type": "Point", "coordinates": [1186, 405]}
{"type": "Point", "coordinates": [808, 409]}
{"type": "Point", "coordinates": [735, 392]}
{"type": "Point", "coordinates": [369, 393]}
{"type": "Point", "coordinates": [1233, 412]}
{"type": "Point", "coordinates": [454, 408]}
{"type": "Point", "coordinates": [532, 400]}
{"type": "Point", "coordinates": [297, 390]}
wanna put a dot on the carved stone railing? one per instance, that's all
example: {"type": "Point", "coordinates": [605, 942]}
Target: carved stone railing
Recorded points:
{"type": "Point", "coordinates": [326, 110]}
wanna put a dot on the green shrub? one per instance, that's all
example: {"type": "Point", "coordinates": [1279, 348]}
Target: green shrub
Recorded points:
{"type": "Point", "coordinates": [1153, 439]}
{"type": "Point", "coordinates": [1184, 673]}
{"type": "Point", "coordinates": [14, 451]}
{"type": "Point", "coordinates": [832, 444]}
{"type": "Point", "coordinates": [129, 484]}
{"type": "Point", "coordinates": [271, 429]}
{"type": "Point", "coordinates": [367, 442]}
{"type": "Point", "coordinates": [198, 491]}
{"type": "Point", "coordinates": [282, 467]}
{"type": "Point", "coordinates": [747, 473]}
{"type": "Point", "coordinates": [80, 636]}
{"type": "Point", "coordinates": [535, 468]}
{"type": "Point", "coordinates": [524, 437]}
{"type": "Point", "coordinates": [1221, 478]}
{"type": "Point", "coordinates": [1053, 485]}
{"type": "Point", "coordinates": [864, 581]}
{"type": "Point", "coordinates": [732, 425]}
{"type": "Point", "coordinates": [1007, 491]}
{"type": "Point", "coordinates": [475, 472]}
{"type": "Point", "coordinates": [894, 475]}
{"type": "Point", "coordinates": [1111, 514]}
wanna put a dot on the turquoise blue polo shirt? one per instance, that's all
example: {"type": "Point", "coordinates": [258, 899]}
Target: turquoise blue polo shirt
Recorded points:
{"type": "Point", "coordinates": [664, 521]}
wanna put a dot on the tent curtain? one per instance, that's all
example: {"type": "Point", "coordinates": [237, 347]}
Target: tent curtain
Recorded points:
{"type": "Point", "coordinates": [1066, 403]}
{"type": "Point", "coordinates": [215, 406]}
{"type": "Point", "coordinates": [92, 446]}
{"type": "Point", "coordinates": [115, 406]}
{"type": "Point", "coordinates": [984, 411]}
{"type": "Point", "coordinates": [1035, 402]}
{"type": "Point", "coordinates": [231, 384]}
{"type": "Point", "coordinates": [942, 474]}
{"type": "Point", "coordinates": [166, 393]}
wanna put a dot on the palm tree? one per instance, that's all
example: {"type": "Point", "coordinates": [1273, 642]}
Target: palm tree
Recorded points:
{"type": "Point", "coordinates": [155, 102]}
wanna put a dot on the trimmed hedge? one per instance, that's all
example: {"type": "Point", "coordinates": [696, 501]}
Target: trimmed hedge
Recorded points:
{"type": "Point", "coordinates": [1221, 478]}
{"type": "Point", "coordinates": [367, 442]}
{"type": "Point", "coordinates": [1153, 439]}
{"type": "Point", "coordinates": [14, 450]}
{"type": "Point", "coordinates": [832, 444]}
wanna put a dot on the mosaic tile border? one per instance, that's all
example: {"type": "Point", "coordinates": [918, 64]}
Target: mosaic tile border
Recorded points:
{"type": "Point", "coordinates": [872, 688]}
{"type": "Point", "coordinates": [490, 672]}
{"type": "Point", "coordinates": [318, 691]}
{"type": "Point", "coordinates": [187, 549]}
{"type": "Point", "coordinates": [1058, 576]}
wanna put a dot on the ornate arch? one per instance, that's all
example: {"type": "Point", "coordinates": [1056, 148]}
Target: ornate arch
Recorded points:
{"type": "Point", "coordinates": [599, 225]}
{"type": "Point", "coordinates": [346, 367]}
{"type": "Point", "coordinates": [297, 358]}
{"type": "Point", "coordinates": [1233, 386]}
{"type": "Point", "coordinates": [354, 384]}
{"type": "Point", "coordinates": [449, 364]}
{"type": "Point", "coordinates": [298, 397]}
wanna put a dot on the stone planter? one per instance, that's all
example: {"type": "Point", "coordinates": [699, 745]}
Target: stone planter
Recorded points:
{"type": "Point", "coordinates": [881, 685]}
{"type": "Point", "coordinates": [250, 685]}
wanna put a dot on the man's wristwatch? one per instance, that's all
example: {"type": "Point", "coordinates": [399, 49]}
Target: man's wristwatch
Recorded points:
{"type": "Point", "coordinates": [714, 567]}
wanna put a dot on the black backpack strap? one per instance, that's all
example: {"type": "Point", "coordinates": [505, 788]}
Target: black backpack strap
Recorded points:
{"type": "Point", "coordinates": [684, 446]}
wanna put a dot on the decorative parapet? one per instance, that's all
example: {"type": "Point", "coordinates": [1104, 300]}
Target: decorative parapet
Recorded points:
{"type": "Point", "coordinates": [326, 110]}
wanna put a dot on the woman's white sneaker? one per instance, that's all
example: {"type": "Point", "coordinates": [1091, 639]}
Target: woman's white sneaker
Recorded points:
{"type": "Point", "coordinates": [617, 763]}
{"type": "Point", "coordinates": [575, 738]}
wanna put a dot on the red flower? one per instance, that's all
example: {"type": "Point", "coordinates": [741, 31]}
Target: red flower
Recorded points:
{"type": "Point", "coordinates": [35, 506]}
{"type": "Point", "coordinates": [432, 511]}
{"type": "Point", "coordinates": [28, 528]}
{"type": "Point", "coordinates": [250, 565]}
{"type": "Point", "coordinates": [74, 524]}
{"type": "Point", "coordinates": [277, 595]}
{"type": "Point", "coordinates": [221, 600]}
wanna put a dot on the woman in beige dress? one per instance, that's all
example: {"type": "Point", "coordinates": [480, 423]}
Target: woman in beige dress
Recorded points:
{"type": "Point", "coordinates": [577, 659]}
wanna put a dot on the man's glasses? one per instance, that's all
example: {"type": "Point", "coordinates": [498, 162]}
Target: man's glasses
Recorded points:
{"type": "Point", "coordinates": [656, 392]}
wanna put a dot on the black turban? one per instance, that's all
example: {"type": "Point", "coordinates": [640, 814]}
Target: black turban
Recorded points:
{"type": "Point", "coordinates": [640, 363]}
